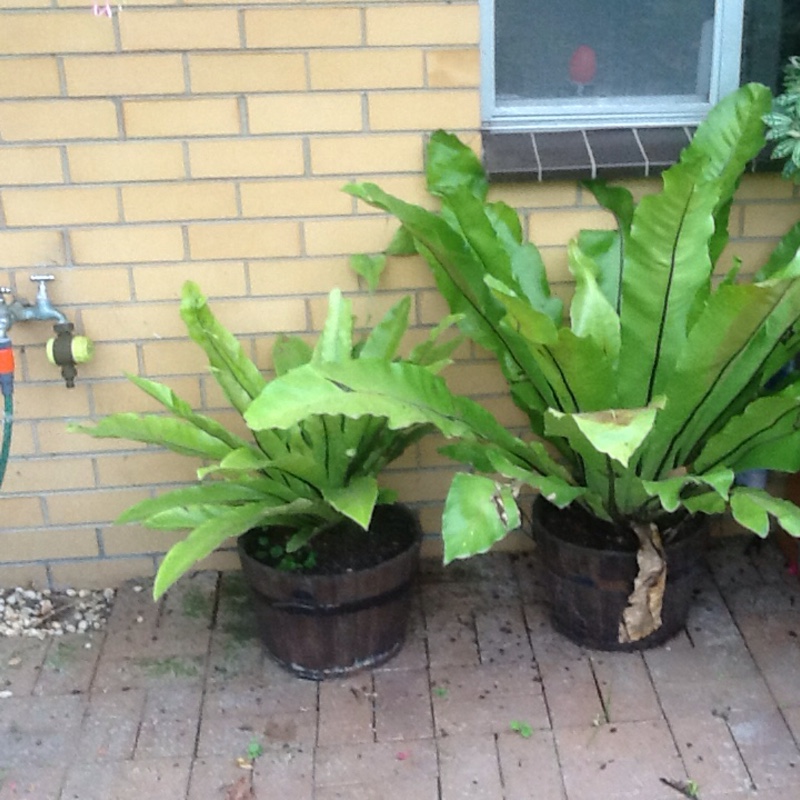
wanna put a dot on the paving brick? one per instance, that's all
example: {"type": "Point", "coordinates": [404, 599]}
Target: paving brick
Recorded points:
{"type": "Point", "coordinates": [144, 671]}
{"type": "Point", "coordinates": [626, 690]}
{"type": "Point", "coordinates": [413, 654]}
{"type": "Point", "coordinates": [70, 664]}
{"type": "Point", "coordinates": [571, 693]}
{"type": "Point", "coordinates": [170, 722]}
{"type": "Point", "coordinates": [452, 638]}
{"type": "Point", "coordinates": [20, 663]}
{"type": "Point", "coordinates": [403, 705]}
{"type": "Point", "coordinates": [346, 710]}
{"type": "Point", "coordinates": [40, 731]}
{"type": "Point", "coordinates": [522, 757]}
{"type": "Point", "coordinates": [160, 779]}
{"type": "Point", "coordinates": [710, 753]}
{"type": "Point", "coordinates": [35, 783]}
{"type": "Point", "coordinates": [469, 768]}
{"type": "Point", "coordinates": [275, 708]}
{"type": "Point", "coordinates": [213, 777]}
{"type": "Point", "coordinates": [486, 698]}
{"type": "Point", "coordinates": [110, 726]}
{"type": "Point", "coordinates": [356, 770]}
{"type": "Point", "coordinates": [625, 760]}
{"type": "Point", "coordinates": [767, 747]}
{"type": "Point", "coordinates": [285, 770]}
{"type": "Point", "coordinates": [503, 636]}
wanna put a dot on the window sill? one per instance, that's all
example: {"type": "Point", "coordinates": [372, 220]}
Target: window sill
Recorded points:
{"type": "Point", "coordinates": [578, 155]}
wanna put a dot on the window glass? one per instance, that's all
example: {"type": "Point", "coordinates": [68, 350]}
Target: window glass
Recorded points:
{"type": "Point", "coordinates": [585, 52]}
{"type": "Point", "coordinates": [771, 35]}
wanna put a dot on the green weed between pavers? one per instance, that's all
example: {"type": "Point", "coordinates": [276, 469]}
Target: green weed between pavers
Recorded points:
{"type": "Point", "coordinates": [522, 728]}
{"type": "Point", "coordinates": [60, 654]}
{"type": "Point", "coordinates": [172, 665]}
{"type": "Point", "coordinates": [196, 603]}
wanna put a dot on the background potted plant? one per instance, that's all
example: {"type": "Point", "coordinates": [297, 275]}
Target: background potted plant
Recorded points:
{"type": "Point", "coordinates": [643, 403]}
{"type": "Point", "coordinates": [328, 555]}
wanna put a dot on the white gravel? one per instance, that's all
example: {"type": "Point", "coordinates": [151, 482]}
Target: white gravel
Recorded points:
{"type": "Point", "coordinates": [41, 612]}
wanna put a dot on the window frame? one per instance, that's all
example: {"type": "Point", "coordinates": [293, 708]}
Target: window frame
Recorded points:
{"type": "Point", "coordinates": [555, 115]}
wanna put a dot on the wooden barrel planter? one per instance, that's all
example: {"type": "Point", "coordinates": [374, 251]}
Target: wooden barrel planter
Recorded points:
{"type": "Point", "coordinates": [588, 586]}
{"type": "Point", "coordinates": [325, 625]}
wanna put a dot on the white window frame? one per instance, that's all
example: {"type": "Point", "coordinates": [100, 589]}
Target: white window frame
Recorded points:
{"type": "Point", "coordinates": [667, 110]}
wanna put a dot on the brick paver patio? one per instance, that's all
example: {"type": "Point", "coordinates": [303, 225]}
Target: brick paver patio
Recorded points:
{"type": "Point", "coordinates": [485, 702]}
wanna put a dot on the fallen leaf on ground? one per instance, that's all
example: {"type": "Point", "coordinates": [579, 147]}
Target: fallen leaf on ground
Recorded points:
{"type": "Point", "coordinates": [241, 790]}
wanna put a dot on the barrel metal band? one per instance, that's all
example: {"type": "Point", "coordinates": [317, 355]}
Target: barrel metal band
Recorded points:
{"type": "Point", "coordinates": [299, 607]}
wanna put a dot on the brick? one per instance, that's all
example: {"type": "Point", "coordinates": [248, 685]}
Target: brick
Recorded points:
{"type": "Point", "coordinates": [164, 282]}
{"type": "Point", "coordinates": [100, 573]}
{"type": "Point", "coordinates": [469, 767]}
{"type": "Point", "coordinates": [23, 575]}
{"type": "Point", "coordinates": [302, 27]}
{"type": "Point", "coordinates": [345, 711]}
{"type": "Point", "coordinates": [304, 276]}
{"type": "Point", "coordinates": [64, 32]}
{"type": "Point", "coordinates": [121, 395]}
{"type": "Point", "coordinates": [29, 77]}
{"type": "Point", "coordinates": [35, 475]}
{"type": "Point", "coordinates": [111, 724]}
{"type": "Point", "coordinates": [55, 439]}
{"type": "Point", "coordinates": [102, 284]}
{"type": "Point", "coordinates": [94, 506]}
{"type": "Point", "coordinates": [764, 187]}
{"type": "Point", "coordinates": [178, 201]}
{"type": "Point", "coordinates": [521, 758]}
{"type": "Point", "coordinates": [247, 72]}
{"type": "Point", "coordinates": [63, 206]}
{"type": "Point", "coordinates": [452, 68]}
{"type": "Point", "coordinates": [402, 705]}
{"type": "Point", "coordinates": [261, 315]}
{"type": "Point", "coordinates": [425, 110]}
{"type": "Point", "coordinates": [32, 402]}
{"type": "Point", "coordinates": [137, 541]}
{"type": "Point", "coordinates": [244, 240]}
{"type": "Point", "coordinates": [365, 69]}
{"type": "Point", "coordinates": [367, 153]}
{"type": "Point", "coordinates": [300, 113]}
{"type": "Point", "coordinates": [127, 244]}
{"type": "Point", "coordinates": [415, 23]}
{"type": "Point", "coordinates": [179, 29]}
{"type": "Point", "coordinates": [476, 379]}
{"type": "Point", "coordinates": [52, 543]}
{"type": "Point", "coordinates": [558, 227]}
{"type": "Point", "coordinates": [192, 117]}
{"type": "Point", "coordinates": [558, 194]}
{"type": "Point", "coordinates": [345, 236]}
{"type": "Point", "coordinates": [109, 361]}
{"type": "Point", "coordinates": [246, 157]}
{"type": "Point", "coordinates": [104, 76]}
{"type": "Point", "coordinates": [294, 198]}
{"type": "Point", "coordinates": [770, 219]}
{"type": "Point", "coordinates": [22, 512]}
{"type": "Point", "coordinates": [365, 306]}
{"type": "Point", "coordinates": [23, 248]}
{"type": "Point", "coordinates": [30, 165]}
{"type": "Point", "coordinates": [142, 469]}
{"type": "Point", "coordinates": [125, 161]}
{"type": "Point", "coordinates": [126, 780]}
{"type": "Point", "coordinates": [28, 120]}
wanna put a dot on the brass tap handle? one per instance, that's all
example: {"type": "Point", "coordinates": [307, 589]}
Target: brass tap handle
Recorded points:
{"type": "Point", "coordinates": [5, 290]}
{"type": "Point", "coordinates": [40, 278]}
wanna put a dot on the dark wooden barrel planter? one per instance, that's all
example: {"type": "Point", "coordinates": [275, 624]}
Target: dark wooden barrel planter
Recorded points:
{"type": "Point", "coordinates": [588, 587]}
{"type": "Point", "coordinates": [319, 625]}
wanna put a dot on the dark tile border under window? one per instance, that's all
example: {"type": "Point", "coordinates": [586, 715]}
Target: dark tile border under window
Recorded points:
{"type": "Point", "coordinates": [580, 154]}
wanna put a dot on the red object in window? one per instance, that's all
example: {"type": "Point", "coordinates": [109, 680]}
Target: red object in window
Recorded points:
{"type": "Point", "coordinates": [583, 65]}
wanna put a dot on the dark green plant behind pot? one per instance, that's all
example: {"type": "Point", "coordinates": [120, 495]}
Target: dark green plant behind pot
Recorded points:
{"type": "Point", "coordinates": [325, 625]}
{"type": "Point", "coordinates": [589, 583]}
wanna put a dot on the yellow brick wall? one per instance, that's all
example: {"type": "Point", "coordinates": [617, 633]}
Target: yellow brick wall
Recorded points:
{"type": "Point", "coordinates": [209, 140]}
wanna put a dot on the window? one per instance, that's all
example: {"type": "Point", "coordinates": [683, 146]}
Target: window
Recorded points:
{"type": "Point", "coordinates": [623, 82]}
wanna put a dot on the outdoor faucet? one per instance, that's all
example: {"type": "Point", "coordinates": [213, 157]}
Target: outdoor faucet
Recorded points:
{"type": "Point", "coordinates": [22, 310]}
{"type": "Point", "coordinates": [64, 350]}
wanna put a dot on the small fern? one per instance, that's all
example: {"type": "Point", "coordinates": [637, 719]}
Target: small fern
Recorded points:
{"type": "Point", "coordinates": [783, 122]}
